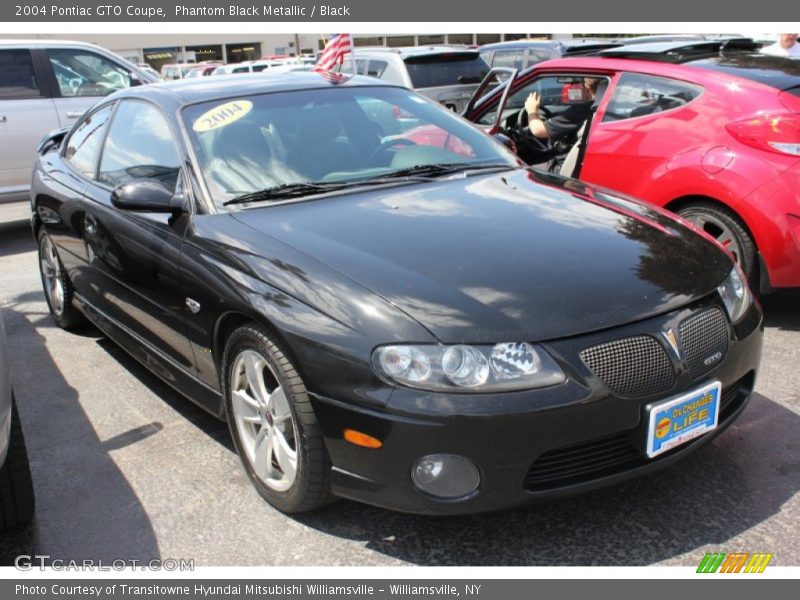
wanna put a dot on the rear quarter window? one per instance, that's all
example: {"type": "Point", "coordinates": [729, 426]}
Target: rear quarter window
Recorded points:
{"type": "Point", "coordinates": [637, 95]}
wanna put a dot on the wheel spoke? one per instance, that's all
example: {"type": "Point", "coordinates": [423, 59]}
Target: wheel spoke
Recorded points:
{"type": "Point", "coordinates": [279, 405]}
{"type": "Point", "coordinates": [254, 367]}
{"type": "Point", "coordinates": [245, 407]}
{"type": "Point", "coordinates": [262, 452]}
{"type": "Point", "coordinates": [284, 455]}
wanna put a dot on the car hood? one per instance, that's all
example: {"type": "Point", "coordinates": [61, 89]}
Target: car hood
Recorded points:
{"type": "Point", "coordinates": [520, 255]}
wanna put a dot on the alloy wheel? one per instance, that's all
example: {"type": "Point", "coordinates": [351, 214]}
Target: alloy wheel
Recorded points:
{"type": "Point", "coordinates": [717, 229]}
{"type": "Point", "coordinates": [264, 421]}
{"type": "Point", "coordinates": [51, 273]}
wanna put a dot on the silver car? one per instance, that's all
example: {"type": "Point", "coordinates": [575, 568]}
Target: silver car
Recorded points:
{"type": "Point", "coordinates": [16, 488]}
{"type": "Point", "coordinates": [447, 74]}
{"type": "Point", "coordinates": [47, 85]}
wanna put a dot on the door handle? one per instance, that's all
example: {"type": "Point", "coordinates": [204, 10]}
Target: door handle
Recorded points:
{"type": "Point", "coordinates": [3, 118]}
{"type": "Point", "coordinates": [73, 114]}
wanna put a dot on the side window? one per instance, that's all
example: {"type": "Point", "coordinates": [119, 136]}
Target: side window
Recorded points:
{"type": "Point", "coordinates": [508, 58]}
{"type": "Point", "coordinates": [139, 145]}
{"type": "Point", "coordinates": [346, 66]}
{"type": "Point", "coordinates": [85, 73]}
{"type": "Point", "coordinates": [537, 55]}
{"type": "Point", "coordinates": [376, 67]}
{"type": "Point", "coordinates": [639, 95]}
{"type": "Point", "coordinates": [83, 146]}
{"type": "Point", "coordinates": [557, 93]}
{"type": "Point", "coordinates": [17, 77]}
{"type": "Point", "coordinates": [241, 70]}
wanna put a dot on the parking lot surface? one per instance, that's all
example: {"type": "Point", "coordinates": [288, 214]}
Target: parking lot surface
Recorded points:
{"type": "Point", "coordinates": [124, 467]}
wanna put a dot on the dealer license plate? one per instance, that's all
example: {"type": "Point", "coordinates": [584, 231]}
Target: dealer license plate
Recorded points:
{"type": "Point", "coordinates": [675, 422]}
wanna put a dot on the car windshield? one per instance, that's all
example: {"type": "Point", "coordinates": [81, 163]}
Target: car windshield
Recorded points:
{"type": "Point", "coordinates": [339, 135]}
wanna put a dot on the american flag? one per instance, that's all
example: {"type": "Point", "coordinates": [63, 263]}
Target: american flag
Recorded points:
{"type": "Point", "coordinates": [338, 45]}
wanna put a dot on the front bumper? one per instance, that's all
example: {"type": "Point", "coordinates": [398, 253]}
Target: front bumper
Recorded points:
{"type": "Point", "coordinates": [528, 446]}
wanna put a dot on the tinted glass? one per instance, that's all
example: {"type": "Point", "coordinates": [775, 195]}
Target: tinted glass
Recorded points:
{"type": "Point", "coordinates": [777, 71]}
{"type": "Point", "coordinates": [83, 147]}
{"type": "Point", "coordinates": [639, 95]}
{"type": "Point", "coordinates": [509, 58]}
{"type": "Point", "coordinates": [376, 67]}
{"type": "Point", "coordinates": [84, 73]}
{"type": "Point", "coordinates": [17, 77]}
{"type": "Point", "coordinates": [331, 135]}
{"type": "Point", "coordinates": [139, 145]}
{"type": "Point", "coordinates": [446, 70]}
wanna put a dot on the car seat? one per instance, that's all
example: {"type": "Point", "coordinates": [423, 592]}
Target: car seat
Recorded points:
{"type": "Point", "coordinates": [319, 149]}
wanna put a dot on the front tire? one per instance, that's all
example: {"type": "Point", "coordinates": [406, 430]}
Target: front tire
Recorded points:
{"type": "Point", "coordinates": [16, 486]}
{"type": "Point", "coordinates": [272, 422]}
{"type": "Point", "coordinates": [58, 290]}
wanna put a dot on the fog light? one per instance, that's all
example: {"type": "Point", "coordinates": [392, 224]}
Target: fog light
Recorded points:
{"type": "Point", "coordinates": [445, 475]}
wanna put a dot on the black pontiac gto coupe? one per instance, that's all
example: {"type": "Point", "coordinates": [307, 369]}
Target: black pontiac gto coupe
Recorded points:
{"type": "Point", "coordinates": [413, 321]}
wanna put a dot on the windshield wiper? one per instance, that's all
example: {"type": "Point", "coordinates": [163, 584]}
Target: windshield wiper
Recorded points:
{"type": "Point", "coordinates": [286, 190]}
{"type": "Point", "coordinates": [439, 169]}
{"type": "Point", "coordinates": [307, 188]}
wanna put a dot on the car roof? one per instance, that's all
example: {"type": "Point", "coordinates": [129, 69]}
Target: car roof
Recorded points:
{"type": "Point", "coordinates": [418, 51]}
{"type": "Point", "coordinates": [47, 42]}
{"type": "Point", "coordinates": [189, 91]}
{"type": "Point", "coordinates": [741, 61]}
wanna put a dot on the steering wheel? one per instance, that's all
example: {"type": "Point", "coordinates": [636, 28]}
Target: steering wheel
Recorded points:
{"type": "Point", "coordinates": [385, 145]}
{"type": "Point", "coordinates": [526, 138]}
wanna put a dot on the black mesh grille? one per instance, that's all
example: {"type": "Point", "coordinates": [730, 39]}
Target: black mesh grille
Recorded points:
{"type": "Point", "coordinates": [704, 339]}
{"type": "Point", "coordinates": [616, 453]}
{"type": "Point", "coordinates": [633, 366]}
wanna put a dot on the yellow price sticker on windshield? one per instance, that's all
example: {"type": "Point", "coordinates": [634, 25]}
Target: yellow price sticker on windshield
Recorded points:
{"type": "Point", "coordinates": [222, 115]}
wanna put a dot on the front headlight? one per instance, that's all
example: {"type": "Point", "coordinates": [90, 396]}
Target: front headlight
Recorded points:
{"type": "Point", "coordinates": [735, 294]}
{"type": "Point", "coordinates": [462, 368]}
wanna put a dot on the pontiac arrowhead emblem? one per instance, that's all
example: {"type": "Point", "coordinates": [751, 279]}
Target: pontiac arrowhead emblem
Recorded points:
{"type": "Point", "coordinates": [669, 335]}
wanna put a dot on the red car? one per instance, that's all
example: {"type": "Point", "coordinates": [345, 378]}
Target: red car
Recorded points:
{"type": "Point", "coordinates": [710, 130]}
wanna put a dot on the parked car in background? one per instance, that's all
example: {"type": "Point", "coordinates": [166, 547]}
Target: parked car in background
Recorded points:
{"type": "Point", "coordinates": [709, 130]}
{"type": "Point", "coordinates": [521, 54]}
{"type": "Point", "coordinates": [149, 70]}
{"type": "Point", "coordinates": [203, 70]}
{"type": "Point", "coordinates": [16, 487]}
{"type": "Point", "coordinates": [47, 85]}
{"type": "Point", "coordinates": [253, 66]}
{"type": "Point", "coordinates": [174, 71]}
{"type": "Point", "coordinates": [447, 74]}
{"type": "Point", "coordinates": [234, 68]}
{"type": "Point", "coordinates": [430, 330]}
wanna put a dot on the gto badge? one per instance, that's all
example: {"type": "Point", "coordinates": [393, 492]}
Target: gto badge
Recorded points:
{"type": "Point", "coordinates": [669, 335]}
{"type": "Point", "coordinates": [712, 359]}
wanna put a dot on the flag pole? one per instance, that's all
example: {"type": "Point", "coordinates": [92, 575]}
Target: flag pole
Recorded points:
{"type": "Point", "coordinates": [353, 53]}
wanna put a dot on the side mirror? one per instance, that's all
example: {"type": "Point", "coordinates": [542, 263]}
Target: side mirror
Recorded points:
{"type": "Point", "coordinates": [147, 195]}
{"type": "Point", "coordinates": [52, 140]}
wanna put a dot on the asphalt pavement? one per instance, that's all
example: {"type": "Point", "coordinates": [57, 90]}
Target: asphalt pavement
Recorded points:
{"type": "Point", "coordinates": [124, 467]}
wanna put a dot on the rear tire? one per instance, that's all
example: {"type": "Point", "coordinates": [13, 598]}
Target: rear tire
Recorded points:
{"type": "Point", "coordinates": [729, 230]}
{"type": "Point", "coordinates": [272, 422]}
{"type": "Point", "coordinates": [16, 485]}
{"type": "Point", "coordinates": [58, 289]}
